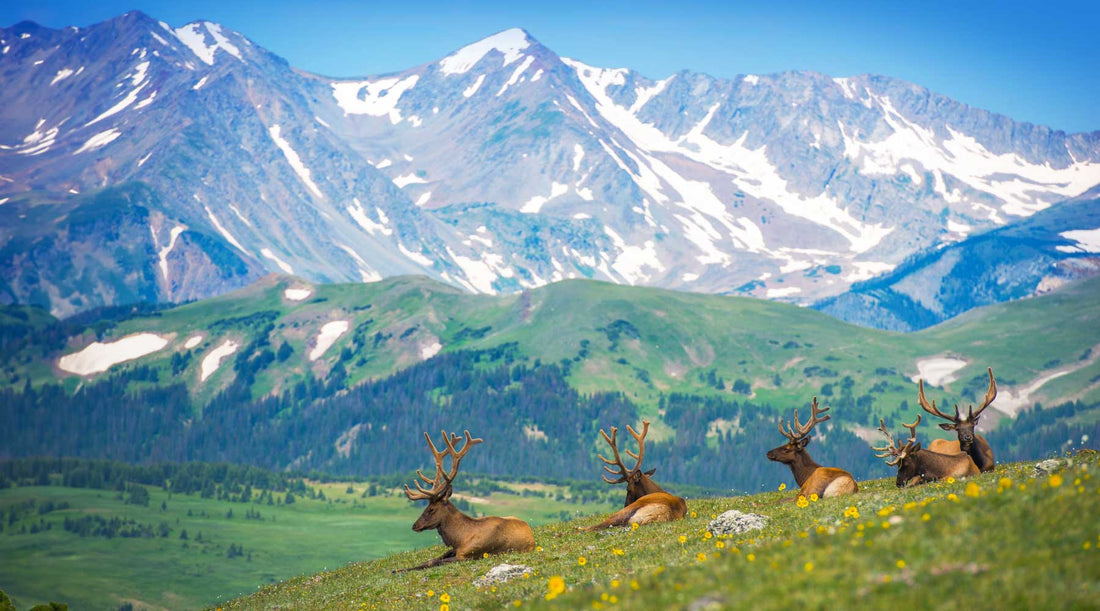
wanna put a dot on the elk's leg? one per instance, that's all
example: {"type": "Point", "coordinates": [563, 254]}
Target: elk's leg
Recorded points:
{"type": "Point", "coordinates": [445, 558]}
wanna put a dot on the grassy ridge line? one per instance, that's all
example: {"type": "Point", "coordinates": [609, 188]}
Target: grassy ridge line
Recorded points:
{"type": "Point", "coordinates": [672, 338]}
{"type": "Point", "coordinates": [1000, 540]}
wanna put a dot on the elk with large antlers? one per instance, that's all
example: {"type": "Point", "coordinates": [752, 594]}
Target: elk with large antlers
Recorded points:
{"type": "Point", "coordinates": [919, 466]}
{"type": "Point", "coordinates": [811, 477]}
{"type": "Point", "coordinates": [964, 424]}
{"type": "Point", "coordinates": [467, 537]}
{"type": "Point", "coordinates": [645, 500]}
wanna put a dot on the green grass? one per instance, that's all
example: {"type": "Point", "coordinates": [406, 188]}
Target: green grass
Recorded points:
{"type": "Point", "coordinates": [1003, 540]}
{"type": "Point", "coordinates": [169, 573]}
{"type": "Point", "coordinates": [679, 337]}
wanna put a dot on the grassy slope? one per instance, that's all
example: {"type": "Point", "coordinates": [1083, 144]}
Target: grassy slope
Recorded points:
{"type": "Point", "coordinates": [1003, 538]}
{"type": "Point", "coordinates": [679, 337]}
{"type": "Point", "coordinates": [164, 573]}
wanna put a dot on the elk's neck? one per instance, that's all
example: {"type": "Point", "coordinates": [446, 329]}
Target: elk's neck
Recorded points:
{"type": "Point", "coordinates": [802, 467]}
{"type": "Point", "coordinates": [453, 525]}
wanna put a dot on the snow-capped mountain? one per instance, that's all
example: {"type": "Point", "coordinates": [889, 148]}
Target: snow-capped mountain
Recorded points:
{"type": "Point", "coordinates": [499, 167]}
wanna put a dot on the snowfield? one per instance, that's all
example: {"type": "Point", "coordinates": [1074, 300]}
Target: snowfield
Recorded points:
{"type": "Point", "coordinates": [214, 360]}
{"type": "Point", "coordinates": [330, 332]}
{"type": "Point", "coordinates": [938, 370]}
{"type": "Point", "coordinates": [99, 357]}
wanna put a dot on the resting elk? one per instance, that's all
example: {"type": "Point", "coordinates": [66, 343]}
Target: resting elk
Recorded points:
{"type": "Point", "coordinates": [964, 424]}
{"type": "Point", "coordinates": [919, 466]}
{"type": "Point", "coordinates": [811, 477]}
{"type": "Point", "coordinates": [467, 537]}
{"type": "Point", "coordinates": [645, 501]}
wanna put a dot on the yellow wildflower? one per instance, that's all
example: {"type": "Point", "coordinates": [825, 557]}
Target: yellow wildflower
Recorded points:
{"type": "Point", "coordinates": [720, 545]}
{"type": "Point", "coordinates": [431, 593]}
{"type": "Point", "coordinates": [444, 607]}
{"type": "Point", "coordinates": [751, 557]}
{"type": "Point", "coordinates": [801, 502]}
{"type": "Point", "coordinates": [634, 585]}
{"type": "Point", "coordinates": [707, 535]}
{"type": "Point", "coordinates": [901, 564]}
{"type": "Point", "coordinates": [809, 566]}
{"type": "Point", "coordinates": [555, 586]}
{"type": "Point", "coordinates": [925, 517]}
{"type": "Point", "coordinates": [953, 497]}
{"type": "Point", "coordinates": [633, 526]}
{"type": "Point", "coordinates": [782, 486]}
{"type": "Point", "coordinates": [517, 603]}
{"type": "Point", "coordinates": [617, 552]}
{"type": "Point", "coordinates": [582, 561]}
{"type": "Point", "coordinates": [485, 554]}
{"type": "Point", "coordinates": [852, 512]}
{"type": "Point", "coordinates": [950, 480]}
{"type": "Point", "coordinates": [444, 598]}
{"type": "Point", "coordinates": [694, 515]}
{"type": "Point", "coordinates": [885, 511]}
{"type": "Point", "coordinates": [614, 583]}
{"type": "Point", "coordinates": [813, 497]}
{"type": "Point", "coordinates": [701, 557]}
{"type": "Point", "coordinates": [973, 490]}
{"type": "Point", "coordinates": [613, 600]}
{"type": "Point", "coordinates": [683, 539]}
{"type": "Point", "coordinates": [1055, 480]}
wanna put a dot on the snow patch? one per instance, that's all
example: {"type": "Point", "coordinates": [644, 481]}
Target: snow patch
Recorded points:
{"type": "Point", "coordinates": [199, 84]}
{"type": "Point", "coordinates": [99, 140]}
{"type": "Point", "coordinates": [297, 294]}
{"type": "Point", "coordinates": [414, 256]}
{"type": "Point", "coordinates": [751, 79]}
{"type": "Point", "coordinates": [1087, 240]}
{"type": "Point", "coordinates": [222, 230]}
{"type": "Point", "coordinates": [938, 370]}
{"type": "Point", "coordinates": [423, 199]}
{"type": "Point", "coordinates": [162, 254]}
{"type": "Point", "coordinates": [192, 36]}
{"type": "Point", "coordinates": [266, 252]}
{"type": "Point", "coordinates": [472, 89]}
{"type": "Point", "coordinates": [516, 74]}
{"type": "Point", "coordinates": [374, 98]}
{"type": "Point", "coordinates": [213, 360]}
{"type": "Point", "coordinates": [99, 357]}
{"type": "Point", "coordinates": [192, 341]}
{"type": "Point", "coordinates": [295, 161]}
{"type": "Point", "coordinates": [535, 204]}
{"type": "Point", "coordinates": [509, 43]}
{"type": "Point", "coordinates": [330, 332]}
{"type": "Point", "coordinates": [786, 291]}
{"type": "Point", "coordinates": [408, 179]}
{"type": "Point", "coordinates": [359, 214]}
{"type": "Point", "coordinates": [61, 75]}
{"type": "Point", "coordinates": [865, 270]}
{"type": "Point", "coordinates": [427, 352]}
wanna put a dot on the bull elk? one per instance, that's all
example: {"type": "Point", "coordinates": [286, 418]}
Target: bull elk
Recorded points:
{"type": "Point", "coordinates": [919, 466]}
{"type": "Point", "coordinates": [811, 477]}
{"type": "Point", "coordinates": [467, 537]}
{"type": "Point", "coordinates": [964, 424]}
{"type": "Point", "coordinates": [645, 500]}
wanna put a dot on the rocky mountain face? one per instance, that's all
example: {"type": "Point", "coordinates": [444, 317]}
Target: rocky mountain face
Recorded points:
{"type": "Point", "coordinates": [497, 168]}
{"type": "Point", "coordinates": [1028, 258]}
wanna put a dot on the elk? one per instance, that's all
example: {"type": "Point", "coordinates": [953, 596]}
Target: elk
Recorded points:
{"type": "Point", "coordinates": [964, 424]}
{"type": "Point", "coordinates": [467, 537]}
{"type": "Point", "coordinates": [645, 500]}
{"type": "Point", "coordinates": [919, 466]}
{"type": "Point", "coordinates": [811, 477]}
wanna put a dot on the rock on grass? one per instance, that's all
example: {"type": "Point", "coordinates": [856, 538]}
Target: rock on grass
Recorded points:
{"type": "Point", "coordinates": [734, 522]}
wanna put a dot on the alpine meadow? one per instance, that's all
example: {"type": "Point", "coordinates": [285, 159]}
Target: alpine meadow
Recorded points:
{"type": "Point", "coordinates": [507, 329]}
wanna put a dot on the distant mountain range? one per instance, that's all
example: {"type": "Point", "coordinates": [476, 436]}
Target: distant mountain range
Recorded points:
{"type": "Point", "coordinates": [145, 162]}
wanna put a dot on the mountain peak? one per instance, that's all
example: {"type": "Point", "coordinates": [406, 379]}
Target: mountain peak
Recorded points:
{"type": "Point", "coordinates": [510, 43]}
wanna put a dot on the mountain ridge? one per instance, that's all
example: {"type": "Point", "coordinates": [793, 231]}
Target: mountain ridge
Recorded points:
{"type": "Point", "coordinates": [498, 175]}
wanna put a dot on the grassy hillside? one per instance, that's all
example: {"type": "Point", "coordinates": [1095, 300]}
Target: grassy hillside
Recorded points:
{"type": "Point", "coordinates": [640, 341]}
{"type": "Point", "coordinates": [164, 568]}
{"type": "Point", "coordinates": [1006, 539]}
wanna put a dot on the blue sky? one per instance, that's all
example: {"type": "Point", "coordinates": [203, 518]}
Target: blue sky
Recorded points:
{"type": "Point", "coordinates": [1033, 61]}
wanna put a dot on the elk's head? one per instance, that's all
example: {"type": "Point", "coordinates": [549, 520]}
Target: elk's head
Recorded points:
{"type": "Point", "coordinates": [963, 424]}
{"type": "Point", "coordinates": [440, 491]}
{"type": "Point", "coordinates": [901, 456]}
{"type": "Point", "coordinates": [638, 483]}
{"type": "Point", "coordinates": [798, 436]}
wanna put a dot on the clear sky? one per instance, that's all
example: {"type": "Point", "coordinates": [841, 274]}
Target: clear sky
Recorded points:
{"type": "Point", "coordinates": [1036, 61]}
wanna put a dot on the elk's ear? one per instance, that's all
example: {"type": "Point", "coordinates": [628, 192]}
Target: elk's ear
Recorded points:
{"type": "Point", "coordinates": [803, 442]}
{"type": "Point", "coordinates": [947, 426]}
{"type": "Point", "coordinates": [651, 471]}
{"type": "Point", "coordinates": [447, 493]}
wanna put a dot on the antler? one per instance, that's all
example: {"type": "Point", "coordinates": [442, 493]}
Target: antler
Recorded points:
{"type": "Point", "coordinates": [893, 448]}
{"type": "Point", "coordinates": [799, 430]}
{"type": "Point", "coordinates": [456, 456]}
{"type": "Point", "coordinates": [990, 395]}
{"type": "Point", "coordinates": [435, 490]}
{"type": "Point", "coordinates": [442, 480]}
{"type": "Point", "coordinates": [612, 441]}
{"type": "Point", "coordinates": [931, 409]}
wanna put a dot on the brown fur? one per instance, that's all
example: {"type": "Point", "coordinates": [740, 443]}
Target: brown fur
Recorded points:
{"type": "Point", "coordinates": [811, 477]}
{"type": "Point", "coordinates": [646, 501]}
{"type": "Point", "coordinates": [964, 426]}
{"type": "Point", "coordinates": [467, 537]}
{"type": "Point", "coordinates": [654, 507]}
